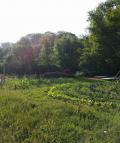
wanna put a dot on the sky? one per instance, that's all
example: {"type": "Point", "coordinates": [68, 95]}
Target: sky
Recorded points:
{"type": "Point", "coordinates": [21, 17]}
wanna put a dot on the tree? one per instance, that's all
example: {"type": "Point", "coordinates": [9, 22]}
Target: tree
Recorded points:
{"type": "Point", "coordinates": [46, 56]}
{"type": "Point", "coordinates": [105, 28]}
{"type": "Point", "coordinates": [67, 49]}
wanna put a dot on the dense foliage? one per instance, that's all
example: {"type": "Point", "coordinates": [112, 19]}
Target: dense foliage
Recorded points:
{"type": "Point", "coordinates": [96, 53]}
{"type": "Point", "coordinates": [102, 47]}
{"type": "Point", "coordinates": [40, 53]}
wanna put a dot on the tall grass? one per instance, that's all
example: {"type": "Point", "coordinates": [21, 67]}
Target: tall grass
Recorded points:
{"type": "Point", "coordinates": [29, 114]}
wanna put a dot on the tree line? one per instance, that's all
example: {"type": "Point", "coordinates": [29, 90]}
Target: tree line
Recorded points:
{"type": "Point", "coordinates": [95, 53]}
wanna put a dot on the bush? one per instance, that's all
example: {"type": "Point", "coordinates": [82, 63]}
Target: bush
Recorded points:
{"type": "Point", "coordinates": [56, 74]}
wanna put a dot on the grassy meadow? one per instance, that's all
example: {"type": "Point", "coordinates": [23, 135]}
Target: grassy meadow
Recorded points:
{"type": "Point", "coordinates": [59, 110]}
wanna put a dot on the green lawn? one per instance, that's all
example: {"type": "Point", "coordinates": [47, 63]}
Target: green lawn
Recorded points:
{"type": "Point", "coordinates": [63, 110]}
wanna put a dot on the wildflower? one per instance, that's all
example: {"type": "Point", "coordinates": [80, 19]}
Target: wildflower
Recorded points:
{"type": "Point", "coordinates": [105, 132]}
